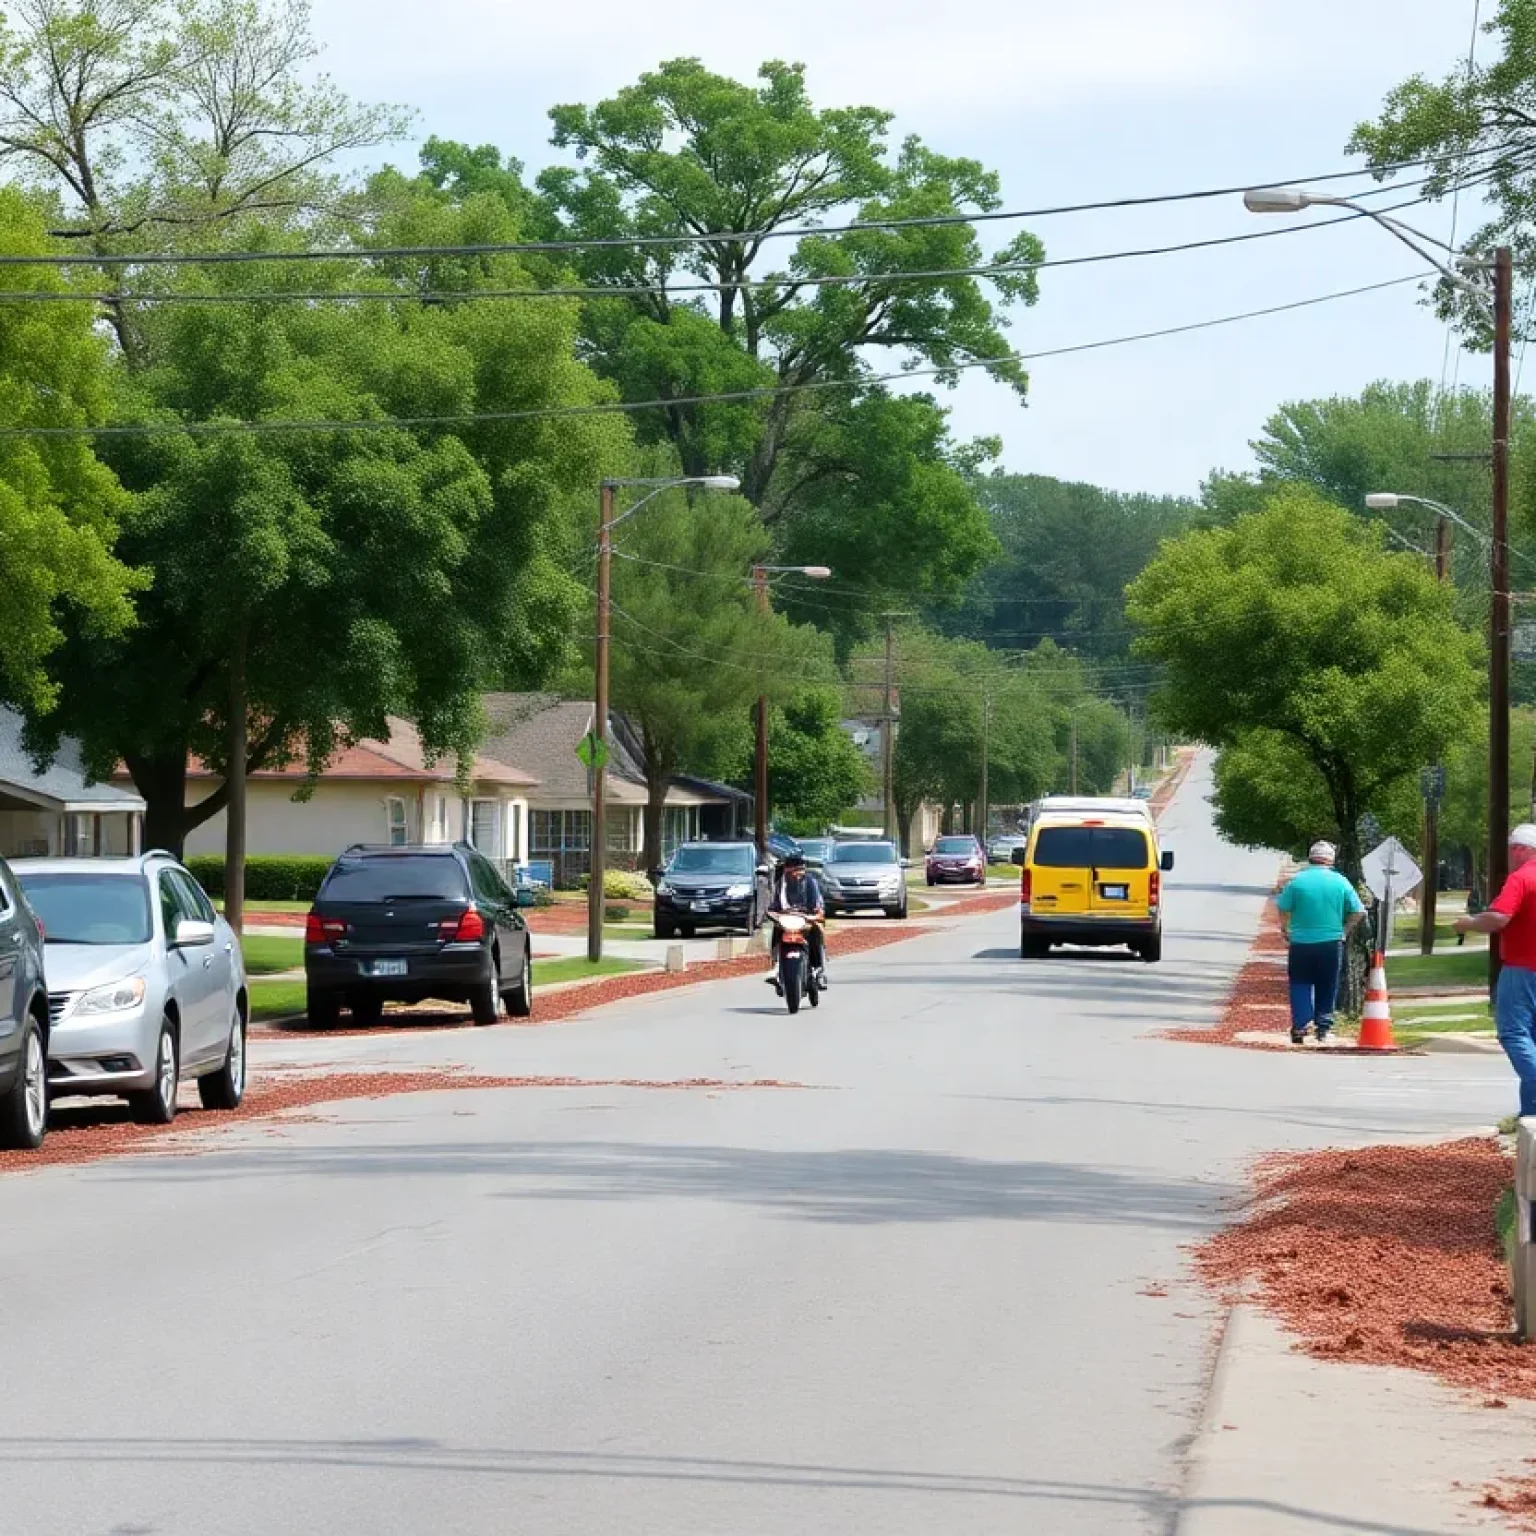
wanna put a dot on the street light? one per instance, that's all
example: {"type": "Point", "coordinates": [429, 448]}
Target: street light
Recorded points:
{"type": "Point", "coordinates": [760, 575]}
{"type": "Point", "coordinates": [1389, 501]}
{"type": "Point", "coordinates": [1469, 275]}
{"type": "Point", "coordinates": [597, 742]}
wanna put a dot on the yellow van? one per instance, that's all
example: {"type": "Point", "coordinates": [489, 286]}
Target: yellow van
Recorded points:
{"type": "Point", "coordinates": [1092, 876]}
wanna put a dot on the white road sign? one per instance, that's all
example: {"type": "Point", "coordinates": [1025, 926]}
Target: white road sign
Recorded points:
{"type": "Point", "coordinates": [1390, 867]}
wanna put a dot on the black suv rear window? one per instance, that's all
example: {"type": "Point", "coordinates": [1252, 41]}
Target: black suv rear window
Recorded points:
{"type": "Point", "coordinates": [1092, 848]}
{"type": "Point", "coordinates": [397, 877]}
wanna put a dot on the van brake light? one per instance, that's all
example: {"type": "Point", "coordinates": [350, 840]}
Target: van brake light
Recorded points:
{"type": "Point", "coordinates": [1154, 889]}
{"type": "Point", "coordinates": [1026, 885]}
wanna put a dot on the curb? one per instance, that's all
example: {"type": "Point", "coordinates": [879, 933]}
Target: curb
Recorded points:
{"type": "Point", "coordinates": [1187, 1517]}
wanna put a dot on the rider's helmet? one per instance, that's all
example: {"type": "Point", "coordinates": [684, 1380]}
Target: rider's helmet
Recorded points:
{"type": "Point", "coordinates": [793, 861]}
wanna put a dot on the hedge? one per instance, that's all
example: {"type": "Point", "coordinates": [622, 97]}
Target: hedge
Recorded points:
{"type": "Point", "coordinates": [268, 876]}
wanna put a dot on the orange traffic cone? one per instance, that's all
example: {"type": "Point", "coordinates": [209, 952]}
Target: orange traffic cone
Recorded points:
{"type": "Point", "coordinates": [1376, 1021]}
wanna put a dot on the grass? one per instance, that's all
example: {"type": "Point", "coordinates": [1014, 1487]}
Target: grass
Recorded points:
{"type": "Point", "coordinates": [1505, 1222]}
{"type": "Point", "coordinates": [1406, 931]}
{"type": "Point", "coordinates": [579, 968]}
{"type": "Point", "coordinates": [1455, 968]}
{"type": "Point", "coordinates": [264, 955]}
{"type": "Point", "coordinates": [255, 908]}
{"type": "Point", "coordinates": [1509, 1125]}
{"type": "Point", "coordinates": [276, 999]}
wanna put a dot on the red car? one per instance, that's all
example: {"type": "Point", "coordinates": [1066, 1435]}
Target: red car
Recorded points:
{"type": "Point", "coordinates": [958, 861]}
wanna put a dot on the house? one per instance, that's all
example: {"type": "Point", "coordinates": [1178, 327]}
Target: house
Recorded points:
{"type": "Point", "coordinates": [59, 811]}
{"type": "Point", "coordinates": [375, 792]}
{"type": "Point", "coordinates": [541, 733]}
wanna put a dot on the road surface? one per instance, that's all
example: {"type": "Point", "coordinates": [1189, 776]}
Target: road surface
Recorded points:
{"type": "Point", "coordinates": [939, 1288]}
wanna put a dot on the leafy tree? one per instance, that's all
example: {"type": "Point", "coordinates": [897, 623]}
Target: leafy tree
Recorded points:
{"type": "Point", "coordinates": [691, 652]}
{"type": "Point", "coordinates": [1068, 551]}
{"type": "Point", "coordinates": [688, 153]}
{"type": "Point", "coordinates": [1295, 620]}
{"type": "Point", "coordinates": [59, 505]}
{"type": "Point", "coordinates": [815, 771]}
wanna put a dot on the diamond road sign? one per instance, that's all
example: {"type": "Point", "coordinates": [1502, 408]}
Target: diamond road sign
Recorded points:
{"type": "Point", "coordinates": [591, 753]}
{"type": "Point", "coordinates": [1390, 867]}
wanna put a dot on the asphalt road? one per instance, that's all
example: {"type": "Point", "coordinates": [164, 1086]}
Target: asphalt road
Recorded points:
{"type": "Point", "coordinates": [908, 1297]}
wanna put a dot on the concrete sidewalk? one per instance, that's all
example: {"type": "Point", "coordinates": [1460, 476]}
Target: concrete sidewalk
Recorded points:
{"type": "Point", "coordinates": [1292, 1446]}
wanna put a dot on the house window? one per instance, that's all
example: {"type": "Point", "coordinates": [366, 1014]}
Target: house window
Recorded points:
{"type": "Point", "coordinates": [557, 832]}
{"type": "Point", "coordinates": [485, 827]}
{"type": "Point", "coordinates": [399, 832]}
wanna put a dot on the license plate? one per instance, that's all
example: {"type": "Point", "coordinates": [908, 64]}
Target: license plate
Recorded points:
{"type": "Point", "coordinates": [1116, 892]}
{"type": "Point", "coordinates": [387, 968]}
{"type": "Point", "coordinates": [701, 906]}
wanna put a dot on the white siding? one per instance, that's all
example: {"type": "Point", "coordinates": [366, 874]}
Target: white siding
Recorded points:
{"type": "Point", "coordinates": [337, 815]}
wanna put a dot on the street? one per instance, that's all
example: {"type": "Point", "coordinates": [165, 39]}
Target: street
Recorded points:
{"type": "Point", "coordinates": [934, 1283]}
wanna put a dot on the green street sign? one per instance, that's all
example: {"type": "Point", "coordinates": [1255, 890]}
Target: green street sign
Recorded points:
{"type": "Point", "coordinates": [591, 753]}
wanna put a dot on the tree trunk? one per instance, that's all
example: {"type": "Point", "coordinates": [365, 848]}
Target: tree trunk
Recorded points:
{"type": "Point", "coordinates": [162, 781]}
{"type": "Point", "coordinates": [234, 817]}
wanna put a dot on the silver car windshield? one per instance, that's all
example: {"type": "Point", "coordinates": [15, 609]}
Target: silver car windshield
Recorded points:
{"type": "Point", "coordinates": [864, 853]}
{"type": "Point", "coordinates": [713, 861]}
{"type": "Point", "coordinates": [90, 908]}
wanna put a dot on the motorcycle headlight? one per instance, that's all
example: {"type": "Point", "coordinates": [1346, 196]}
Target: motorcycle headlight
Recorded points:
{"type": "Point", "coordinates": [118, 997]}
{"type": "Point", "coordinates": [738, 892]}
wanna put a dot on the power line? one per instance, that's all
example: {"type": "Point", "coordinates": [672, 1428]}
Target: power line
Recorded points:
{"type": "Point", "coordinates": [740, 396]}
{"type": "Point", "coordinates": [719, 237]}
{"type": "Point", "coordinates": [445, 297]}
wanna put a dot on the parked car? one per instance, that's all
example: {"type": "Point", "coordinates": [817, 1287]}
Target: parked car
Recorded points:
{"type": "Point", "coordinates": [1141, 792]}
{"type": "Point", "coordinates": [956, 861]}
{"type": "Point", "coordinates": [816, 850]}
{"type": "Point", "coordinates": [780, 847]}
{"type": "Point", "coordinates": [712, 885]}
{"type": "Point", "coordinates": [1001, 849]}
{"type": "Point", "coordinates": [859, 877]}
{"type": "Point", "coordinates": [404, 924]}
{"type": "Point", "coordinates": [23, 1021]}
{"type": "Point", "coordinates": [146, 983]}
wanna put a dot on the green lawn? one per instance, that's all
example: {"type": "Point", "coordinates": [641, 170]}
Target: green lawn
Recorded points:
{"type": "Point", "coordinates": [255, 908]}
{"type": "Point", "coordinates": [1453, 968]}
{"type": "Point", "coordinates": [578, 968]}
{"type": "Point", "coordinates": [276, 999]}
{"type": "Point", "coordinates": [266, 955]}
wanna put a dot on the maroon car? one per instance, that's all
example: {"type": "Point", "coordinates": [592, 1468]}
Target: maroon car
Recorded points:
{"type": "Point", "coordinates": [957, 861]}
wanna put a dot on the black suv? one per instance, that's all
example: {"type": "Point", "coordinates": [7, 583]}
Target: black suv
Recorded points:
{"type": "Point", "coordinates": [23, 1021]}
{"type": "Point", "coordinates": [712, 885]}
{"type": "Point", "coordinates": [405, 924]}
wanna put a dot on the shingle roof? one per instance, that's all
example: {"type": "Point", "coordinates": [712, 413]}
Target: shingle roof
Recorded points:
{"type": "Point", "coordinates": [63, 781]}
{"type": "Point", "coordinates": [541, 732]}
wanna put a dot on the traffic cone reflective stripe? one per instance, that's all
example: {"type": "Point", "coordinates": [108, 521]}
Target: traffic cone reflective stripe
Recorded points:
{"type": "Point", "coordinates": [1376, 1020]}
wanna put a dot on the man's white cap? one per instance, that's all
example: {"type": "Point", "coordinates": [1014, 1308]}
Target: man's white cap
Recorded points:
{"type": "Point", "coordinates": [1524, 836]}
{"type": "Point", "coordinates": [1326, 853]}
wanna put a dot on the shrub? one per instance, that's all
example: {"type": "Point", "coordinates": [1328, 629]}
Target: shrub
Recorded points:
{"type": "Point", "coordinates": [616, 913]}
{"type": "Point", "coordinates": [621, 885]}
{"type": "Point", "coordinates": [268, 876]}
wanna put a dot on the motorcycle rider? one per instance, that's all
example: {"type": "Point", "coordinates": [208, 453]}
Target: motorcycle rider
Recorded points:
{"type": "Point", "coordinates": [798, 891]}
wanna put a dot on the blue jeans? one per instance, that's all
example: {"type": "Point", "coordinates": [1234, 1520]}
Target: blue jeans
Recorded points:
{"type": "Point", "coordinates": [1514, 1012]}
{"type": "Point", "coordinates": [1314, 970]}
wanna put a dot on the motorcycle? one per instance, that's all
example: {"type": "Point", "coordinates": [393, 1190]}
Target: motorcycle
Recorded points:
{"type": "Point", "coordinates": [797, 976]}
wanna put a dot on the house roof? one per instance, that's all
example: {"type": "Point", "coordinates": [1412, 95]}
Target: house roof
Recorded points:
{"type": "Point", "coordinates": [402, 759]}
{"type": "Point", "coordinates": [62, 785]}
{"type": "Point", "coordinates": [542, 732]}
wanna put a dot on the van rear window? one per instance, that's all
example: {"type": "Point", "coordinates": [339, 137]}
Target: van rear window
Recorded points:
{"type": "Point", "coordinates": [1092, 848]}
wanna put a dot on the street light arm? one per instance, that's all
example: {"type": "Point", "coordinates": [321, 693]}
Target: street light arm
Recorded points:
{"type": "Point", "coordinates": [1380, 503]}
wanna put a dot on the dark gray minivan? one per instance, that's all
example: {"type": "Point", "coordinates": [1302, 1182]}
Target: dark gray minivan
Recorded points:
{"type": "Point", "coordinates": [23, 1021]}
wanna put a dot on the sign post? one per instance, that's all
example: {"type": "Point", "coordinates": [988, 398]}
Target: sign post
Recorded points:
{"type": "Point", "coordinates": [1432, 788]}
{"type": "Point", "coordinates": [1390, 873]}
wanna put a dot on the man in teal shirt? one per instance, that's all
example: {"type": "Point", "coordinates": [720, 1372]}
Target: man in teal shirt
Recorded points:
{"type": "Point", "coordinates": [1317, 909]}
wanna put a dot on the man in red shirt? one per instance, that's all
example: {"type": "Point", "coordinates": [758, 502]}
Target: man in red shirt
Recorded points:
{"type": "Point", "coordinates": [1512, 916]}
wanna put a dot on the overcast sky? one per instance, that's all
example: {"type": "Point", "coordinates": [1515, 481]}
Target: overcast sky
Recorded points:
{"type": "Point", "coordinates": [1068, 103]}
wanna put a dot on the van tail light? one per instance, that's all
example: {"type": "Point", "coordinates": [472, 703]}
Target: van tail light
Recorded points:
{"type": "Point", "coordinates": [1026, 886]}
{"type": "Point", "coordinates": [464, 929]}
{"type": "Point", "coordinates": [1154, 889]}
{"type": "Point", "coordinates": [322, 930]}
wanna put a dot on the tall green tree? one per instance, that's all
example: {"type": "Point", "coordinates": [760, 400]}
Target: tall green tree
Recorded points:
{"type": "Point", "coordinates": [1296, 621]}
{"type": "Point", "coordinates": [59, 505]}
{"type": "Point", "coordinates": [816, 773]}
{"type": "Point", "coordinates": [689, 156]}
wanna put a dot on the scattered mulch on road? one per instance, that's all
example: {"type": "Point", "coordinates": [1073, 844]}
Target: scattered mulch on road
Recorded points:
{"type": "Point", "coordinates": [974, 906]}
{"type": "Point", "coordinates": [1259, 1001]}
{"type": "Point", "coordinates": [1387, 1255]}
{"type": "Point", "coordinates": [91, 1134]}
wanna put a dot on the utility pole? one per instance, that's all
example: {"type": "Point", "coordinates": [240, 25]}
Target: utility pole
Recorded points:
{"type": "Point", "coordinates": [1429, 905]}
{"type": "Point", "coordinates": [1074, 751]}
{"type": "Point", "coordinates": [1498, 692]}
{"type": "Point", "coordinates": [888, 726]}
{"type": "Point", "coordinates": [599, 835]}
{"type": "Point", "coordinates": [986, 728]}
{"type": "Point", "coordinates": [760, 586]}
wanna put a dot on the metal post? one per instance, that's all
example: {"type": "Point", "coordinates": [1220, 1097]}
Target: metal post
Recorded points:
{"type": "Point", "coordinates": [986, 726]}
{"type": "Point", "coordinates": [599, 837]}
{"type": "Point", "coordinates": [1498, 656]}
{"type": "Point", "coordinates": [888, 730]}
{"type": "Point", "coordinates": [1430, 899]}
{"type": "Point", "coordinates": [760, 585]}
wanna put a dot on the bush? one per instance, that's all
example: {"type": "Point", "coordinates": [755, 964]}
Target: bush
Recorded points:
{"type": "Point", "coordinates": [268, 876]}
{"type": "Point", "coordinates": [617, 914]}
{"type": "Point", "coordinates": [621, 885]}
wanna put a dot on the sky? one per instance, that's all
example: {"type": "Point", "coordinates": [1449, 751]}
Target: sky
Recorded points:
{"type": "Point", "coordinates": [1068, 103]}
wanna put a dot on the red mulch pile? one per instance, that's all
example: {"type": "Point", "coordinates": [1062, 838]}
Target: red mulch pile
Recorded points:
{"type": "Point", "coordinates": [1387, 1255]}
{"type": "Point", "coordinates": [1259, 1000]}
{"type": "Point", "coordinates": [974, 906]}
{"type": "Point", "coordinates": [89, 1134]}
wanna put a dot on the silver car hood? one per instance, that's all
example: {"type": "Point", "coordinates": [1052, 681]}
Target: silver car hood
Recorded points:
{"type": "Point", "coordinates": [79, 967]}
{"type": "Point", "coordinates": [843, 871]}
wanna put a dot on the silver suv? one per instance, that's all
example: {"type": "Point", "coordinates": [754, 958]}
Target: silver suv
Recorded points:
{"type": "Point", "coordinates": [146, 983]}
